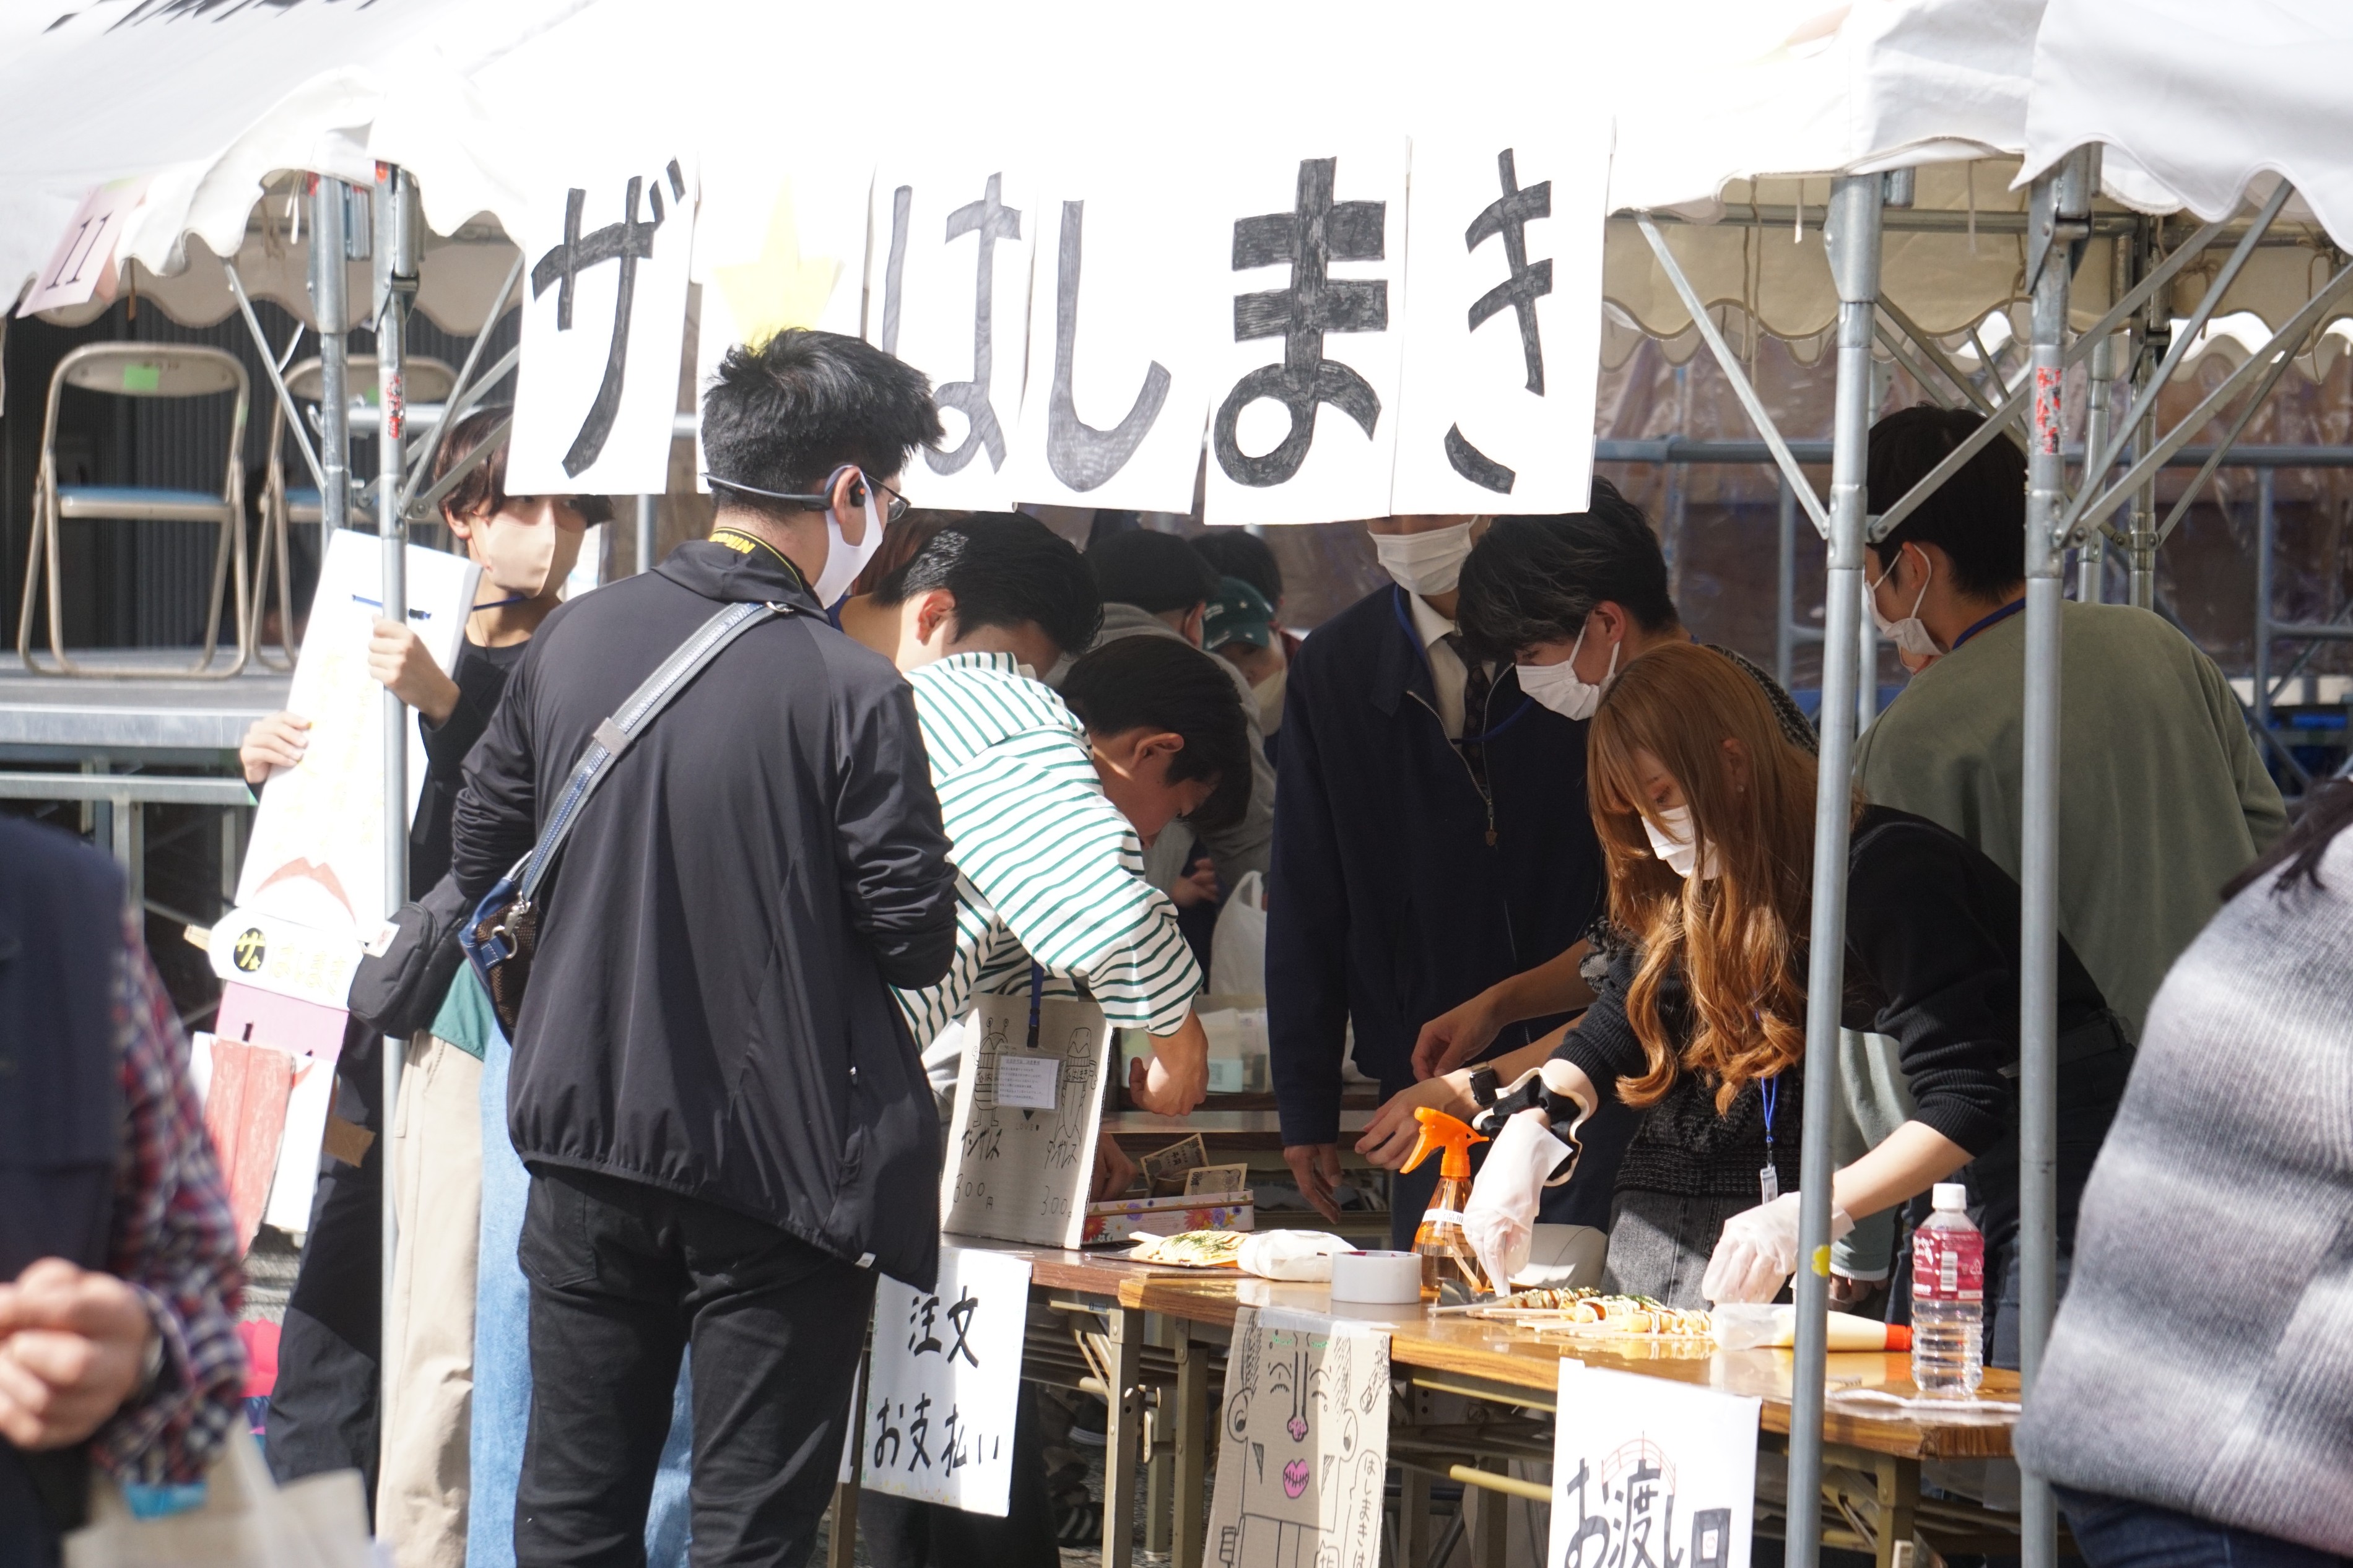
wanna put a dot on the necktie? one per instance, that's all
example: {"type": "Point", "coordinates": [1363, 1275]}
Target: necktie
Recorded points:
{"type": "Point", "coordinates": [1476, 687]}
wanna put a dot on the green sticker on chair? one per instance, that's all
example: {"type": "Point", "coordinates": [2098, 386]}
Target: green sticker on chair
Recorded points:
{"type": "Point", "coordinates": [141, 377]}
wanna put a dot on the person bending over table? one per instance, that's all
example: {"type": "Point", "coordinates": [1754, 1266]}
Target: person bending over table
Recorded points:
{"type": "Point", "coordinates": [1050, 803]}
{"type": "Point", "coordinates": [1706, 814]}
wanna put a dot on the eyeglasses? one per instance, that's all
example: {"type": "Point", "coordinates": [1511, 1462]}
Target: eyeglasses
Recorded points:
{"type": "Point", "coordinates": [891, 513]}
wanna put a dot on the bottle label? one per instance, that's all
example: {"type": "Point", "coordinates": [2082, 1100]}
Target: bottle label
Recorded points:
{"type": "Point", "coordinates": [1948, 1265]}
{"type": "Point", "coordinates": [1442, 1217]}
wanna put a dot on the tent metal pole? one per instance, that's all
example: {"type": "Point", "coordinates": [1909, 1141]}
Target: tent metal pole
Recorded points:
{"type": "Point", "coordinates": [2060, 202]}
{"type": "Point", "coordinates": [1785, 521]}
{"type": "Point", "coordinates": [2267, 585]}
{"type": "Point", "coordinates": [2097, 417]}
{"type": "Point", "coordinates": [396, 225]}
{"type": "Point", "coordinates": [646, 533]}
{"type": "Point", "coordinates": [1853, 235]}
{"type": "Point", "coordinates": [328, 244]}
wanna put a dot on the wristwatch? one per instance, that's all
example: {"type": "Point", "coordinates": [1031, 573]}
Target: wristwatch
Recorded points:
{"type": "Point", "coordinates": [1484, 1085]}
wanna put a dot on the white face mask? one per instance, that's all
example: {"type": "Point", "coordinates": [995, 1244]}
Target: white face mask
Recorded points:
{"type": "Point", "coordinates": [843, 560]}
{"type": "Point", "coordinates": [1910, 635]}
{"type": "Point", "coordinates": [1673, 844]}
{"type": "Point", "coordinates": [1556, 686]}
{"type": "Point", "coordinates": [1428, 562]}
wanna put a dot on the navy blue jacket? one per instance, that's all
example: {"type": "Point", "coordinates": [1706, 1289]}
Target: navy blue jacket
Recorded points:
{"type": "Point", "coordinates": [1389, 902]}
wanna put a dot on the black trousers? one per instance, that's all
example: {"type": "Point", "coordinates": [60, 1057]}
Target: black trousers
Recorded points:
{"type": "Point", "coordinates": [903, 1534]}
{"type": "Point", "coordinates": [323, 1413]}
{"type": "Point", "coordinates": [624, 1277]}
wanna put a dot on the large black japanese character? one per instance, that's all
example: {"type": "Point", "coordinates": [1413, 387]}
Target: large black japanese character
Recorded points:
{"type": "Point", "coordinates": [921, 1313]}
{"type": "Point", "coordinates": [1317, 232]}
{"type": "Point", "coordinates": [988, 220]}
{"type": "Point", "coordinates": [1507, 216]}
{"type": "Point", "coordinates": [895, 270]}
{"type": "Point", "coordinates": [1082, 456]}
{"type": "Point", "coordinates": [627, 243]}
{"type": "Point", "coordinates": [960, 1320]}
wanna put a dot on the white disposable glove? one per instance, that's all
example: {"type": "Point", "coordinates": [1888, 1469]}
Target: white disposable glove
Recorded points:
{"type": "Point", "coordinates": [1758, 1251]}
{"type": "Point", "coordinates": [1500, 1219]}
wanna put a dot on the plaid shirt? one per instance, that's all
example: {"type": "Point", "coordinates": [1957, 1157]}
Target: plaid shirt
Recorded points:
{"type": "Point", "coordinates": [174, 1243]}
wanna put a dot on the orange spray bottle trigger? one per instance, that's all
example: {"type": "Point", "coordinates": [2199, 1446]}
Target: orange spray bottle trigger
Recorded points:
{"type": "Point", "coordinates": [1449, 1133]}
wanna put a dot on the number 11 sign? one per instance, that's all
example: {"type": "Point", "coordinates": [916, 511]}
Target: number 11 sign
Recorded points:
{"type": "Point", "coordinates": [82, 267]}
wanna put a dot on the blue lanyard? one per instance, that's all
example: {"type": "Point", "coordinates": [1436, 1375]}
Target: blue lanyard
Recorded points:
{"type": "Point", "coordinates": [2001, 615]}
{"type": "Point", "coordinates": [1769, 1090]}
{"type": "Point", "coordinates": [1413, 636]}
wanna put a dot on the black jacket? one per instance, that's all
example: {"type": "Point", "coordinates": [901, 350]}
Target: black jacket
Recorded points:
{"type": "Point", "coordinates": [707, 1011]}
{"type": "Point", "coordinates": [480, 676]}
{"type": "Point", "coordinates": [1387, 905]}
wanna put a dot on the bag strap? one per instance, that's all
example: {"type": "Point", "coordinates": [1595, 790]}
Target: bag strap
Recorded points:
{"type": "Point", "coordinates": [614, 735]}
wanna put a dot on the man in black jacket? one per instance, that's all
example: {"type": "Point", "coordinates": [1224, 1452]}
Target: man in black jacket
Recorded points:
{"type": "Point", "coordinates": [727, 1125]}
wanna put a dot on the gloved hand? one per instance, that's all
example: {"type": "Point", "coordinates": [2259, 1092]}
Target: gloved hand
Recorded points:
{"type": "Point", "coordinates": [1758, 1251]}
{"type": "Point", "coordinates": [1500, 1219]}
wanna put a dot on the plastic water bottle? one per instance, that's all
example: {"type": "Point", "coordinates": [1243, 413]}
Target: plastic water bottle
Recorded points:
{"type": "Point", "coordinates": [1948, 1297]}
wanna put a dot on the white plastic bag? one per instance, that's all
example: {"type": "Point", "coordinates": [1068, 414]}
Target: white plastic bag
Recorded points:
{"type": "Point", "coordinates": [1299, 1254]}
{"type": "Point", "coordinates": [1238, 947]}
{"type": "Point", "coordinates": [246, 1521]}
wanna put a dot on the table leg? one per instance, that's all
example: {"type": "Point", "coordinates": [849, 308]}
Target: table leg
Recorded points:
{"type": "Point", "coordinates": [1159, 1503]}
{"type": "Point", "coordinates": [1192, 1444]}
{"type": "Point", "coordinates": [1491, 1540]}
{"type": "Point", "coordinates": [1899, 1496]}
{"type": "Point", "coordinates": [1124, 1426]}
{"type": "Point", "coordinates": [1413, 1518]}
{"type": "Point", "coordinates": [841, 1542]}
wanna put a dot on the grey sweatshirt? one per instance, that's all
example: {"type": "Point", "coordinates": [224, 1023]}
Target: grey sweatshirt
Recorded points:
{"type": "Point", "coordinates": [2203, 1359]}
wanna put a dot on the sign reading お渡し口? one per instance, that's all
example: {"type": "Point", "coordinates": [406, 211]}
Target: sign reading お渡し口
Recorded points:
{"type": "Point", "coordinates": [1648, 1471]}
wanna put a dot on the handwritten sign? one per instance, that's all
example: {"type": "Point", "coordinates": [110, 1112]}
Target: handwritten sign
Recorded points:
{"type": "Point", "coordinates": [1018, 1172]}
{"type": "Point", "coordinates": [1503, 326]}
{"type": "Point", "coordinates": [1303, 421]}
{"type": "Point", "coordinates": [81, 268]}
{"type": "Point", "coordinates": [316, 858]}
{"type": "Point", "coordinates": [1303, 1446]}
{"type": "Point", "coordinates": [1648, 1471]}
{"type": "Point", "coordinates": [603, 324]}
{"type": "Point", "coordinates": [936, 1412]}
{"type": "Point", "coordinates": [948, 288]}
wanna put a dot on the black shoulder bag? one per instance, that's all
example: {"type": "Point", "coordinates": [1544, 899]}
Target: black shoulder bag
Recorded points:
{"type": "Point", "coordinates": [503, 933]}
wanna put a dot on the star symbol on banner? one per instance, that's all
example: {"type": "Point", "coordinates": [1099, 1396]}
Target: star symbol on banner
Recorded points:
{"type": "Point", "coordinates": [779, 288]}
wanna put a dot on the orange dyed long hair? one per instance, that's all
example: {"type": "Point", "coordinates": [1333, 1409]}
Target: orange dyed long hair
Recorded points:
{"type": "Point", "coordinates": [1736, 936]}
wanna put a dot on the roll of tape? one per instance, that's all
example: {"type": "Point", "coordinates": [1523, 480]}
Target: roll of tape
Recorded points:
{"type": "Point", "coordinates": [1382, 1278]}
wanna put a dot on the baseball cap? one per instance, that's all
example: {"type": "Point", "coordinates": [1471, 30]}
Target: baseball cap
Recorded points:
{"type": "Point", "coordinates": [1239, 613]}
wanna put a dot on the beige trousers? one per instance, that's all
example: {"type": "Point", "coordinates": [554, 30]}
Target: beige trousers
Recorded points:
{"type": "Point", "coordinates": [436, 1166]}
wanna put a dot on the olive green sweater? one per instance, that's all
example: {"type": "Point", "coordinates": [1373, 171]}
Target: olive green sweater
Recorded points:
{"type": "Point", "coordinates": [2162, 794]}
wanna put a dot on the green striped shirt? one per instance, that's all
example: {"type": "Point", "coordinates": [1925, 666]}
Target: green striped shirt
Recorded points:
{"type": "Point", "coordinates": [1046, 869]}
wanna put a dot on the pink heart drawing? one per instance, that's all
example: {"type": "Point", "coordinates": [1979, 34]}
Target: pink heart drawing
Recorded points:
{"type": "Point", "coordinates": [1294, 1478]}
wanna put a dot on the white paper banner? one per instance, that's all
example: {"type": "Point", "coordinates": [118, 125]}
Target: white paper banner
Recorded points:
{"type": "Point", "coordinates": [1642, 1466]}
{"type": "Point", "coordinates": [936, 1413]}
{"type": "Point", "coordinates": [1304, 1444]}
{"type": "Point", "coordinates": [773, 254]}
{"type": "Point", "coordinates": [316, 857]}
{"type": "Point", "coordinates": [947, 286]}
{"type": "Point", "coordinates": [1302, 424]}
{"type": "Point", "coordinates": [1503, 326]}
{"type": "Point", "coordinates": [604, 320]}
{"type": "Point", "coordinates": [1122, 330]}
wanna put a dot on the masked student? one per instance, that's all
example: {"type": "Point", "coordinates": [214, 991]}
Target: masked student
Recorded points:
{"type": "Point", "coordinates": [1433, 842]}
{"type": "Point", "coordinates": [1050, 804]}
{"type": "Point", "coordinates": [322, 1412]}
{"type": "Point", "coordinates": [1708, 815]}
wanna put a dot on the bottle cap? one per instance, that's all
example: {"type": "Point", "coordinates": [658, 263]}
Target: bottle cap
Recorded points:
{"type": "Point", "coordinates": [1951, 1197]}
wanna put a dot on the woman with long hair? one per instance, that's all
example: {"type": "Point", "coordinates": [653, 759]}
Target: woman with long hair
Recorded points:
{"type": "Point", "coordinates": [1705, 814]}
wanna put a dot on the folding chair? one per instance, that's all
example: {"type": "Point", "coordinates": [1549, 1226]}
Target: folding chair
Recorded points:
{"type": "Point", "coordinates": [138, 370]}
{"type": "Point", "coordinates": [426, 380]}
